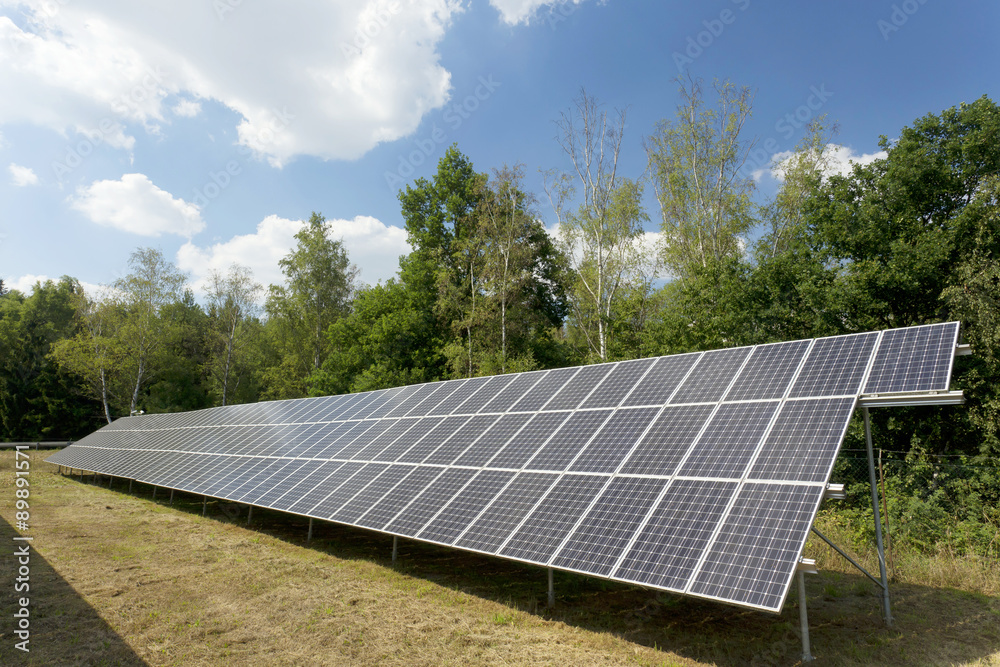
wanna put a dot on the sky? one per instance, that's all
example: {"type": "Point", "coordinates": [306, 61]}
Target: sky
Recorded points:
{"type": "Point", "coordinates": [211, 129]}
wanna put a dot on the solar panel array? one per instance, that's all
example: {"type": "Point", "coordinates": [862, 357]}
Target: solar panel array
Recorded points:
{"type": "Point", "coordinates": [698, 473]}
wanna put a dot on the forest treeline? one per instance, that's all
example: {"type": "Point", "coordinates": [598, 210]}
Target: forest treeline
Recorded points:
{"type": "Point", "coordinates": [913, 238]}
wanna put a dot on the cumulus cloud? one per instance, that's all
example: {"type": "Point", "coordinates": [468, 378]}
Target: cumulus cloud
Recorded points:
{"type": "Point", "coordinates": [135, 205]}
{"type": "Point", "coordinates": [187, 108]}
{"type": "Point", "coordinates": [329, 79]}
{"type": "Point", "coordinates": [839, 161]}
{"type": "Point", "coordinates": [514, 12]}
{"type": "Point", "coordinates": [26, 284]}
{"type": "Point", "coordinates": [372, 245]}
{"type": "Point", "coordinates": [22, 176]}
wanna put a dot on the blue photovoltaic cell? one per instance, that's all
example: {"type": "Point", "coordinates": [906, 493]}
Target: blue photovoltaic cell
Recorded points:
{"type": "Point", "coordinates": [455, 400]}
{"type": "Point", "coordinates": [619, 382]}
{"type": "Point", "coordinates": [426, 445]}
{"type": "Point", "coordinates": [429, 405]}
{"type": "Point", "coordinates": [557, 453]}
{"type": "Point", "coordinates": [327, 507]}
{"type": "Point", "coordinates": [523, 446]}
{"type": "Point", "coordinates": [914, 359]}
{"type": "Point", "coordinates": [270, 495]}
{"type": "Point", "coordinates": [322, 471]}
{"type": "Point", "coordinates": [412, 395]}
{"type": "Point", "coordinates": [769, 371]}
{"type": "Point", "coordinates": [730, 439]}
{"type": "Point", "coordinates": [835, 366]}
{"type": "Point", "coordinates": [573, 393]}
{"type": "Point", "coordinates": [370, 494]}
{"type": "Point", "coordinates": [550, 522]}
{"type": "Point", "coordinates": [431, 394]}
{"type": "Point", "coordinates": [474, 403]}
{"type": "Point", "coordinates": [375, 445]}
{"type": "Point", "coordinates": [506, 512]}
{"type": "Point", "coordinates": [544, 390]}
{"type": "Point", "coordinates": [710, 378]}
{"type": "Point", "coordinates": [513, 392]}
{"type": "Point", "coordinates": [672, 433]}
{"type": "Point", "coordinates": [309, 500]}
{"type": "Point", "coordinates": [383, 511]}
{"type": "Point", "coordinates": [462, 438]}
{"type": "Point", "coordinates": [465, 506]}
{"type": "Point", "coordinates": [614, 441]}
{"type": "Point", "coordinates": [662, 380]}
{"type": "Point", "coordinates": [755, 554]}
{"type": "Point", "coordinates": [804, 441]}
{"type": "Point", "coordinates": [412, 518]}
{"type": "Point", "coordinates": [409, 439]}
{"type": "Point", "coordinates": [670, 544]}
{"type": "Point", "coordinates": [608, 527]}
{"type": "Point", "coordinates": [492, 440]}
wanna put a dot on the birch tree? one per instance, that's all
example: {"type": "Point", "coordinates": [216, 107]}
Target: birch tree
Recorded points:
{"type": "Point", "coordinates": [152, 283]}
{"type": "Point", "coordinates": [600, 235]}
{"type": "Point", "coordinates": [233, 300]}
{"type": "Point", "coordinates": [695, 166]}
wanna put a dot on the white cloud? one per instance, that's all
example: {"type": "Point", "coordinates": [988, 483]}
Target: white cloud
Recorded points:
{"type": "Point", "coordinates": [839, 161]}
{"type": "Point", "coordinates": [372, 245]}
{"type": "Point", "coordinates": [22, 176]}
{"type": "Point", "coordinates": [514, 12]}
{"type": "Point", "coordinates": [329, 79]}
{"type": "Point", "coordinates": [187, 108]}
{"type": "Point", "coordinates": [26, 284]}
{"type": "Point", "coordinates": [135, 205]}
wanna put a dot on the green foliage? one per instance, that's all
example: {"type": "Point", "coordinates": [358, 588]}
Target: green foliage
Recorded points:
{"type": "Point", "coordinates": [39, 399]}
{"type": "Point", "coordinates": [319, 284]}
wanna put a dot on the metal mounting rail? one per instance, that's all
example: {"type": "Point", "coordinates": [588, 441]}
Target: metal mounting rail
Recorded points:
{"type": "Point", "coordinates": [912, 398]}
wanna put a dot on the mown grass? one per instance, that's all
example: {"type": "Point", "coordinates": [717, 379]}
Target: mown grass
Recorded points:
{"type": "Point", "coordinates": [125, 580]}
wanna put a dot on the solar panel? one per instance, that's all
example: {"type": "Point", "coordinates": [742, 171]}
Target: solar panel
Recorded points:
{"type": "Point", "coordinates": [698, 473]}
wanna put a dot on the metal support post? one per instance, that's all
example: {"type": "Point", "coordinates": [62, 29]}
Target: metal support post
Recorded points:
{"type": "Point", "coordinates": [204, 505]}
{"type": "Point", "coordinates": [804, 618]}
{"type": "Point", "coordinates": [249, 513]}
{"type": "Point", "coordinates": [171, 496]}
{"type": "Point", "coordinates": [886, 614]}
{"type": "Point", "coordinates": [154, 492]}
{"type": "Point", "coordinates": [130, 485]}
{"type": "Point", "coordinates": [309, 537]}
{"type": "Point", "coordinates": [395, 548]}
{"type": "Point", "coordinates": [552, 590]}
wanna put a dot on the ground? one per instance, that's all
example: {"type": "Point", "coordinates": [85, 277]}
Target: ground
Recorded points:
{"type": "Point", "coordinates": [118, 578]}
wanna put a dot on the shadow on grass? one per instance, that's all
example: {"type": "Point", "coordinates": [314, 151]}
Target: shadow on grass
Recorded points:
{"type": "Point", "coordinates": [65, 629]}
{"type": "Point", "coordinates": [932, 626]}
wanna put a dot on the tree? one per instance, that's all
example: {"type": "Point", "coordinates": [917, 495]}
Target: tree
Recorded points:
{"type": "Point", "coordinates": [93, 354]}
{"type": "Point", "coordinates": [320, 282]}
{"type": "Point", "coordinates": [439, 278]}
{"type": "Point", "coordinates": [152, 284]}
{"type": "Point", "coordinates": [523, 271]}
{"type": "Point", "coordinates": [38, 397]}
{"type": "Point", "coordinates": [695, 164]}
{"type": "Point", "coordinates": [601, 235]}
{"type": "Point", "coordinates": [233, 304]}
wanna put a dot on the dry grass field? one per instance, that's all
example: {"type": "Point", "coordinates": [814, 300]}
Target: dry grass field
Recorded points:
{"type": "Point", "coordinates": [122, 579]}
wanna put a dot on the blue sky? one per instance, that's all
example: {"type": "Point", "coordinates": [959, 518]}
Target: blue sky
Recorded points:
{"type": "Point", "coordinates": [210, 129]}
